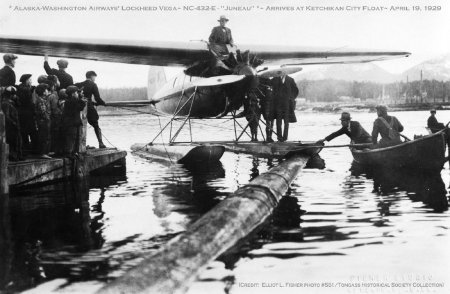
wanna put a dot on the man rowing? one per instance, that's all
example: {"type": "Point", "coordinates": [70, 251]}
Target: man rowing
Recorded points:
{"type": "Point", "coordinates": [389, 128]}
{"type": "Point", "coordinates": [433, 123]}
{"type": "Point", "coordinates": [352, 129]}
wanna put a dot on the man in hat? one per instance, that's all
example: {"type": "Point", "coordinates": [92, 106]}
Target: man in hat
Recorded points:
{"type": "Point", "coordinates": [389, 128]}
{"type": "Point", "coordinates": [433, 124]}
{"type": "Point", "coordinates": [27, 113]}
{"type": "Point", "coordinates": [284, 91]}
{"type": "Point", "coordinates": [64, 78]}
{"type": "Point", "coordinates": [7, 74]}
{"type": "Point", "coordinates": [352, 129]}
{"type": "Point", "coordinates": [221, 34]}
{"type": "Point", "coordinates": [221, 37]}
{"type": "Point", "coordinates": [90, 89]}
{"type": "Point", "coordinates": [71, 121]}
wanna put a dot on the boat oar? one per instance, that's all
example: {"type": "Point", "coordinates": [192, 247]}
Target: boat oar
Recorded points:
{"type": "Point", "coordinates": [309, 149]}
{"type": "Point", "coordinates": [334, 146]}
{"type": "Point", "coordinates": [404, 137]}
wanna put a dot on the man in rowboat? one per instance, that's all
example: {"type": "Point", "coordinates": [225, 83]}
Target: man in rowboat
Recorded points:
{"type": "Point", "coordinates": [433, 124]}
{"type": "Point", "coordinates": [352, 129]}
{"type": "Point", "coordinates": [389, 128]}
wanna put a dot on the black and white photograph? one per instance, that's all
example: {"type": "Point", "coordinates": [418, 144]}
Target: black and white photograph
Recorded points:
{"type": "Point", "coordinates": [224, 147]}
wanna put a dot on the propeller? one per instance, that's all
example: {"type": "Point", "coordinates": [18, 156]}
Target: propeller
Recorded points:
{"type": "Point", "coordinates": [216, 81]}
{"type": "Point", "coordinates": [277, 72]}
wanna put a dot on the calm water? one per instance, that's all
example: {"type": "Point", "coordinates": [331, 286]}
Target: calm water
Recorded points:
{"type": "Point", "coordinates": [336, 225]}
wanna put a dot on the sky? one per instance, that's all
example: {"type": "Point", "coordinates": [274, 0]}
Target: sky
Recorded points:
{"type": "Point", "coordinates": [362, 24]}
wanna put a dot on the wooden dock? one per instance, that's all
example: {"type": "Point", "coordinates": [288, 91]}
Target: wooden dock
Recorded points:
{"type": "Point", "coordinates": [36, 170]}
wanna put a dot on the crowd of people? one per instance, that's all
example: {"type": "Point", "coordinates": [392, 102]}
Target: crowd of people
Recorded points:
{"type": "Point", "coordinates": [45, 119]}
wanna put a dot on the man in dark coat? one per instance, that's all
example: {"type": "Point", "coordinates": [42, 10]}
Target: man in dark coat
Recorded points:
{"type": "Point", "coordinates": [71, 120]}
{"type": "Point", "coordinates": [433, 124]}
{"type": "Point", "coordinates": [284, 90]}
{"type": "Point", "coordinates": [64, 78]}
{"type": "Point", "coordinates": [7, 74]}
{"type": "Point", "coordinates": [268, 108]}
{"type": "Point", "coordinates": [389, 128]}
{"type": "Point", "coordinates": [12, 126]}
{"type": "Point", "coordinates": [352, 129]}
{"type": "Point", "coordinates": [220, 37]}
{"type": "Point", "coordinates": [27, 116]}
{"type": "Point", "coordinates": [90, 89]}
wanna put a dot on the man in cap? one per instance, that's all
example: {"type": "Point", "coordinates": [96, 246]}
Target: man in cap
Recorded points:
{"type": "Point", "coordinates": [389, 128]}
{"type": "Point", "coordinates": [27, 113]}
{"type": "Point", "coordinates": [7, 74]}
{"type": "Point", "coordinates": [64, 78]}
{"type": "Point", "coordinates": [433, 124]}
{"type": "Point", "coordinates": [284, 90]}
{"type": "Point", "coordinates": [352, 129]}
{"type": "Point", "coordinates": [90, 89]}
{"type": "Point", "coordinates": [71, 121]}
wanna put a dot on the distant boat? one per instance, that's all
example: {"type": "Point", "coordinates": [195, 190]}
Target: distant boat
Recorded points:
{"type": "Point", "coordinates": [424, 153]}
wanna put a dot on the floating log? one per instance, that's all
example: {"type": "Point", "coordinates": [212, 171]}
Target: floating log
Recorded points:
{"type": "Point", "coordinates": [172, 268]}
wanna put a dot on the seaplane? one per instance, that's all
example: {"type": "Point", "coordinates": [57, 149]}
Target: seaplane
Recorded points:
{"type": "Point", "coordinates": [214, 83]}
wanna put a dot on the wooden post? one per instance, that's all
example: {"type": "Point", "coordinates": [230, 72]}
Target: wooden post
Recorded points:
{"type": "Point", "coordinates": [4, 153]}
{"type": "Point", "coordinates": [83, 132]}
{"type": "Point", "coordinates": [175, 265]}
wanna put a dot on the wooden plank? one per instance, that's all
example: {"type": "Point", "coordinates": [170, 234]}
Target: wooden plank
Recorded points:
{"type": "Point", "coordinates": [172, 268]}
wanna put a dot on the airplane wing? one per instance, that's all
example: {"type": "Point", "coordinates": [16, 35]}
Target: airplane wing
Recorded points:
{"type": "Point", "coordinates": [118, 51]}
{"type": "Point", "coordinates": [286, 55]}
{"type": "Point", "coordinates": [180, 53]}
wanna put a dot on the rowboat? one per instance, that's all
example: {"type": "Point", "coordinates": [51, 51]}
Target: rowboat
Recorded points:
{"type": "Point", "coordinates": [424, 153]}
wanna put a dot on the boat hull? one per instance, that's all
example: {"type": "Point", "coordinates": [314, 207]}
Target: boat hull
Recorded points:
{"type": "Point", "coordinates": [426, 153]}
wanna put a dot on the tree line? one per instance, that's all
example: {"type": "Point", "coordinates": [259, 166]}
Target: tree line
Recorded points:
{"type": "Point", "coordinates": [329, 90]}
{"type": "Point", "coordinates": [123, 94]}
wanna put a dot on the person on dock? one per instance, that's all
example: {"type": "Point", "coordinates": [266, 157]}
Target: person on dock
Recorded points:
{"type": "Point", "coordinates": [64, 78]}
{"type": "Point", "coordinates": [253, 115]}
{"type": "Point", "coordinates": [56, 106]}
{"type": "Point", "coordinates": [352, 129]}
{"type": "Point", "coordinates": [389, 128]}
{"type": "Point", "coordinates": [284, 90]}
{"type": "Point", "coordinates": [71, 120]}
{"type": "Point", "coordinates": [42, 112]}
{"type": "Point", "coordinates": [433, 123]}
{"type": "Point", "coordinates": [90, 89]}
{"type": "Point", "coordinates": [12, 125]}
{"type": "Point", "coordinates": [7, 74]}
{"type": "Point", "coordinates": [268, 108]}
{"type": "Point", "coordinates": [27, 116]}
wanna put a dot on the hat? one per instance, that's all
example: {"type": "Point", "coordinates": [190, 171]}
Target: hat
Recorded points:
{"type": "Point", "coordinates": [41, 88]}
{"type": "Point", "coordinates": [345, 116]}
{"type": "Point", "coordinates": [71, 89]}
{"type": "Point", "coordinates": [7, 58]}
{"type": "Point", "coordinates": [62, 63]}
{"type": "Point", "coordinates": [24, 78]}
{"type": "Point", "coordinates": [90, 74]}
{"type": "Point", "coordinates": [381, 108]}
{"type": "Point", "coordinates": [42, 79]}
{"type": "Point", "coordinates": [433, 110]}
{"type": "Point", "coordinates": [223, 17]}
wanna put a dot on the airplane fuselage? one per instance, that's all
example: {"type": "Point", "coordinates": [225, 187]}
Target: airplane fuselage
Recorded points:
{"type": "Point", "coordinates": [180, 97]}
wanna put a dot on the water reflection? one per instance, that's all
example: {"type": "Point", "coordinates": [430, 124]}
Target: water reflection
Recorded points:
{"type": "Point", "coordinates": [427, 187]}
